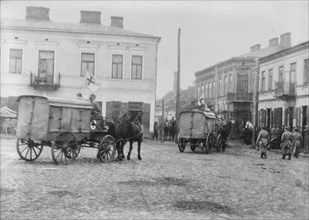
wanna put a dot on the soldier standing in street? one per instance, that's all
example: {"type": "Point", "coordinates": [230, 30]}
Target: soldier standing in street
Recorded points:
{"type": "Point", "coordinates": [262, 142]}
{"type": "Point", "coordinates": [286, 143]}
{"type": "Point", "coordinates": [297, 141]}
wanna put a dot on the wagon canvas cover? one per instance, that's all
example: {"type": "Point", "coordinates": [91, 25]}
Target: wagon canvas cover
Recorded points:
{"type": "Point", "coordinates": [195, 124]}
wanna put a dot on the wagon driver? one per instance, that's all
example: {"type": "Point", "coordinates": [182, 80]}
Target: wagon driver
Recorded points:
{"type": "Point", "coordinates": [96, 112]}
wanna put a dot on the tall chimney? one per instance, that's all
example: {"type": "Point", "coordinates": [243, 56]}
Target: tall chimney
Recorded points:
{"type": "Point", "coordinates": [285, 40]}
{"type": "Point", "coordinates": [255, 47]}
{"type": "Point", "coordinates": [90, 17]}
{"type": "Point", "coordinates": [37, 13]}
{"type": "Point", "coordinates": [117, 22]}
{"type": "Point", "coordinates": [274, 42]}
{"type": "Point", "coordinates": [175, 81]}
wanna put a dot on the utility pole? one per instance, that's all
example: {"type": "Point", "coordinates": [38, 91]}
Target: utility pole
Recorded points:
{"type": "Point", "coordinates": [178, 89]}
{"type": "Point", "coordinates": [162, 123]}
{"type": "Point", "coordinates": [255, 99]}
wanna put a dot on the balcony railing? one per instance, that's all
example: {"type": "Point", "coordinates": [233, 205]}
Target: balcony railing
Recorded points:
{"type": "Point", "coordinates": [284, 89]}
{"type": "Point", "coordinates": [45, 83]}
{"type": "Point", "coordinates": [239, 96]}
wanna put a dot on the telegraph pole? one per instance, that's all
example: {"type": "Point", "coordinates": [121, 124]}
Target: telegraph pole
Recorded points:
{"type": "Point", "coordinates": [162, 123]}
{"type": "Point", "coordinates": [178, 89]}
{"type": "Point", "coordinates": [255, 99]}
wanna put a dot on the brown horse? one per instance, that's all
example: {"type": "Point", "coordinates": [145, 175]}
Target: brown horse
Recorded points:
{"type": "Point", "coordinates": [130, 129]}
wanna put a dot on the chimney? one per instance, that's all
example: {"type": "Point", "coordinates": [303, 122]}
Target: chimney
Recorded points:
{"type": "Point", "coordinates": [117, 22]}
{"type": "Point", "coordinates": [37, 13]}
{"type": "Point", "coordinates": [90, 17]}
{"type": "Point", "coordinates": [175, 81]}
{"type": "Point", "coordinates": [255, 48]}
{"type": "Point", "coordinates": [285, 40]}
{"type": "Point", "coordinates": [274, 42]}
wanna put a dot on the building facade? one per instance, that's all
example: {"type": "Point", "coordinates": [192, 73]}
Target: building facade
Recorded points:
{"type": "Point", "coordinates": [42, 57]}
{"type": "Point", "coordinates": [227, 87]}
{"type": "Point", "coordinates": [284, 87]}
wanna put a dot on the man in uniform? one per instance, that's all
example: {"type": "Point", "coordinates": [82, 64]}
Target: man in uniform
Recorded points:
{"type": "Point", "coordinates": [286, 143]}
{"type": "Point", "coordinates": [262, 142]}
{"type": "Point", "coordinates": [297, 141]}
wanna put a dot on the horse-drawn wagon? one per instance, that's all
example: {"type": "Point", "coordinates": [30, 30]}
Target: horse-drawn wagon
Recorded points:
{"type": "Point", "coordinates": [63, 125]}
{"type": "Point", "coordinates": [199, 129]}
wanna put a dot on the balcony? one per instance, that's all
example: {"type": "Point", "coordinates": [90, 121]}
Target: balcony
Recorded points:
{"type": "Point", "coordinates": [284, 90]}
{"type": "Point", "coordinates": [45, 83]}
{"type": "Point", "coordinates": [239, 97]}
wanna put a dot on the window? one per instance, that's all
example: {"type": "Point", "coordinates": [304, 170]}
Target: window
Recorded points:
{"type": "Point", "coordinates": [219, 86]}
{"type": "Point", "coordinates": [280, 79]}
{"type": "Point", "coordinates": [117, 66]}
{"type": "Point", "coordinates": [292, 72]}
{"type": "Point", "coordinates": [306, 71]}
{"type": "Point", "coordinates": [15, 60]}
{"type": "Point", "coordinates": [210, 90]}
{"type": "Point", "coordinates": [206, 90]}
{"type": "Point", "coordinates": [263, 81]}
{"type": "Point", "coordinates": [46, 66]}
{"type": "Point", "coordinates": [270, 79]}
{"type": "Point", "coordinates": [230, 83]}
{"type": "Point", "coordinates": [225, 85]}
{"type": "Point", "coordinates": [213, 89]}
{"type": "Point", "coordinates": [137, 64]}
{"type": "Point", "coordinates": [87, 63]}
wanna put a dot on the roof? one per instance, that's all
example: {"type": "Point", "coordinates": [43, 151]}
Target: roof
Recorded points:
{"type": "Point", "coordinates": [62, 102]}
{"type": "Point", "coordinates": [69, 27]}
{"type": "Point", "coordinates": [206, 114]}
{"type": "Point", "coordinates": [6, 112]}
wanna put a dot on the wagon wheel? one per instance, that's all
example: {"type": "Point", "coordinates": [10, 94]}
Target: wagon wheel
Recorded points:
{"type": "Point", "coordinates": [64, 148]}
{"type": "Point", "coordinates": [181, 145]}
{"type": "Point", "coordinates": [219, 143]}
{"type": "Point", "coordinates": [210, 141]}
{"type": "Point", "coordinates": [107, 149]}
{"type": "Point", "coordinates": [28, 149]}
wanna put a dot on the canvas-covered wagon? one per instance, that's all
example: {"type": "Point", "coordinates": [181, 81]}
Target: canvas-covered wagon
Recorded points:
{"type": "Point", "coordinates": [197, 128]}
{"type": "Point", "coordinates": [63, 125]}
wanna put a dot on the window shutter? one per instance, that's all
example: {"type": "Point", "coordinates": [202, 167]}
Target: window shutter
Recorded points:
{"type": "Point", "coordinates": [271, 117]}
{"type": "Point", "coordinates": [286, 115]}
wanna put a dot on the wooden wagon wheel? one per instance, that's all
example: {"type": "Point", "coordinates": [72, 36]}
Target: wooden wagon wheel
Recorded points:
{"type": "Point", "coordinates": [210, 141]}
{"type": "Point", "coordinates": [64, 148]}
{"type": "Point", "coordinates": [107, 149]}
{"type": "Point", "coordinates": [28, 149]}
{"type": "Point", "coordinates": [181, 145]}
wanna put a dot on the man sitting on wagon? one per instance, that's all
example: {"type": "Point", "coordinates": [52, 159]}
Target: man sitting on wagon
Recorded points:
{"type": "Point", "coordinates": [96, 116]}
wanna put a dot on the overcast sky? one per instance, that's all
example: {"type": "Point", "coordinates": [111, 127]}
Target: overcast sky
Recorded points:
{"type": "Point", "coordinates": [211, 31]}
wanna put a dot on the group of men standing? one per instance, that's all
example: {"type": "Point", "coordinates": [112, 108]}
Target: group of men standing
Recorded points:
{"type": "Point", "coordinates": [290, 143]}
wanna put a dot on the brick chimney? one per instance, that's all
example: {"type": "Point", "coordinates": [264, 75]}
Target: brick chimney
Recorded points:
{"type": "Point", "coordinates": [285, 40]}
{"type": "Point", "coordinates": [255, 47]}
{"type": "Point", "coordinates": [274, 42]}
{"type": "Point", "coordinates": [90, 17]}
{"type": "Point", "coordinates": [117, 22]}
{"type": "Point", "coordinates": [37, 13]}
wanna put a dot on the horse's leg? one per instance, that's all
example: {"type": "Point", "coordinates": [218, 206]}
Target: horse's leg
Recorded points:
{"type": "Point", "coordinates": [130, 149]}
{"type": "Point", "coordinates": [118, 146]}
{"type": "Point", "coordinates": [122, 146]}
{"type": "Point", "coordinates": [139, 149]}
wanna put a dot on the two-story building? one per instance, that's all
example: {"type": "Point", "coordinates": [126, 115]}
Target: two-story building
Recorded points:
{"type": "Point", "coordinates": [43, 57]}
{"type": "Point", "coordinates": [284, 87]}
{"type": "Point", "coordinates": [227, 87]}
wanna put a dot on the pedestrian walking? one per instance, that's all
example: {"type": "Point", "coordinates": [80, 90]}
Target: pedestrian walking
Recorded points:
{"type": "Point", "coordinates": [286, 143]}
{"type": "Point", "coordinates": [155, 131]}
{"type": "Point", "coordinates": [297, 142]}
{"type": "Point", "coordinates": [262, 142]}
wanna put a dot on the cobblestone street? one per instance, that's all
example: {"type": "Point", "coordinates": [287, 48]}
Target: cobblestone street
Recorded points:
{"type": "Point", "coordinates": [166, 184]}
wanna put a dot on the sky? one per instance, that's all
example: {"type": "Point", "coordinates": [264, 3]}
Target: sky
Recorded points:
{"type": "Point", "coordinates": [211, 31]}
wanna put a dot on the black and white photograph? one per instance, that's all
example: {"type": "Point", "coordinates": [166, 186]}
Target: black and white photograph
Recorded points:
{"type": "Point", "coordinates": [158, 110]}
